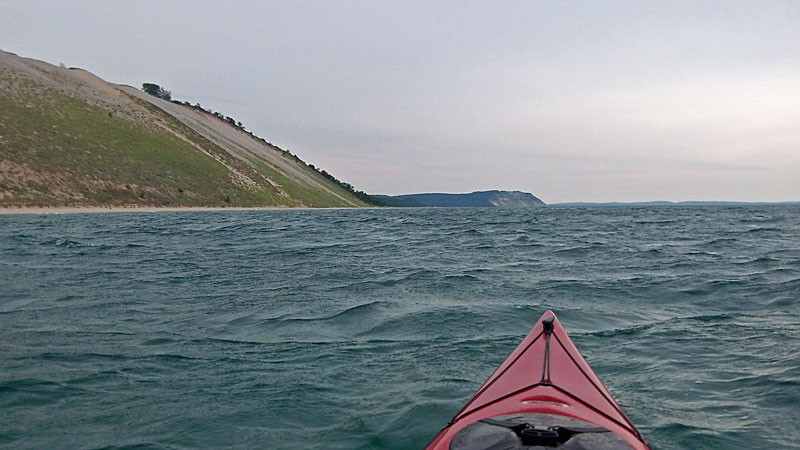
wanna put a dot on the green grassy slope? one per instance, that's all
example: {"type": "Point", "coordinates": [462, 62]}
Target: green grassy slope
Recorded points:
{"type": "Point", "coordinates": [61, 148]}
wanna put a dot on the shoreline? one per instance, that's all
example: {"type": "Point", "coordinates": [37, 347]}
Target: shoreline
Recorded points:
{"type": "Point", "coordinates": [27, 210]}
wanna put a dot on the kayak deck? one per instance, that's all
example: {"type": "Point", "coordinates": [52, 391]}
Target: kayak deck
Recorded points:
{"type": "Point", "coordinates": [523, 431]}
{"type": "Point", "coordinates": [544, 375]}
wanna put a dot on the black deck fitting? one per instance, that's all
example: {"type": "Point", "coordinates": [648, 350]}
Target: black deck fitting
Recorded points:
{"type": "Point", "coordinates": [547, 322]}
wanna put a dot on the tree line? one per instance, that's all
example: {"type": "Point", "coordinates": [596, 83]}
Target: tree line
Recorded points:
{"type": "Point", "coordinates": [162, 93]}
{"type": "Point", "coordinates": [366, 198]}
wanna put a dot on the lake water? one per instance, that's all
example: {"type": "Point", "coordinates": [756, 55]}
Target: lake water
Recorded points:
{"type": "Point", "coordinates": [360, 329]}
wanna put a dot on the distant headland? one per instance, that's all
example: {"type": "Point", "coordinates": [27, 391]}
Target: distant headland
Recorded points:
{"type": "Point", "coordinates": [479, 199]}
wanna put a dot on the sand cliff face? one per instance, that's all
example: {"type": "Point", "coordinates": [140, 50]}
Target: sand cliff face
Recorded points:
{"type": "Point", "coordinates": [69, 138]}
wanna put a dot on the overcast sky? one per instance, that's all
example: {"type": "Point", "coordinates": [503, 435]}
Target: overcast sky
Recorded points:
{"type": "Point", "coordinates": [572, 101]}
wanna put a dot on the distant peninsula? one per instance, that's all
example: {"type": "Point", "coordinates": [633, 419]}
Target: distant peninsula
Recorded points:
{"type": "Point", "coordinates": [479, 199]}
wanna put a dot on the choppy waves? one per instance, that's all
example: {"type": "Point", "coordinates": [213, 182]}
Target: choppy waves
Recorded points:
{"type": "Point", "coordinates": [369, 329]}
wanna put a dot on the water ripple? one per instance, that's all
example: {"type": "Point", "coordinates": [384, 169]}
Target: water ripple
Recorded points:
{"type": "Point", "coordinates": [236, 329]}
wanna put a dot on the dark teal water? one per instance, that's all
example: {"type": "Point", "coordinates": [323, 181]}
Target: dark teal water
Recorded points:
{"type": "Point", "coordinates": [365, 329]}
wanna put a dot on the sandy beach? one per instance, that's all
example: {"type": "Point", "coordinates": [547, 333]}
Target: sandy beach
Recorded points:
{"type": "Point", "coordinates": [131, 209]}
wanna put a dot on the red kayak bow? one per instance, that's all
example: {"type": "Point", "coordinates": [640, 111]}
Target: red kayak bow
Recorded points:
{"type": "Point", "coordinates": [543, 395]}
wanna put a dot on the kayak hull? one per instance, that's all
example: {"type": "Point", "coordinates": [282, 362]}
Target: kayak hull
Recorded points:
{"type": "Point", "coordinates": [545, 374]}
